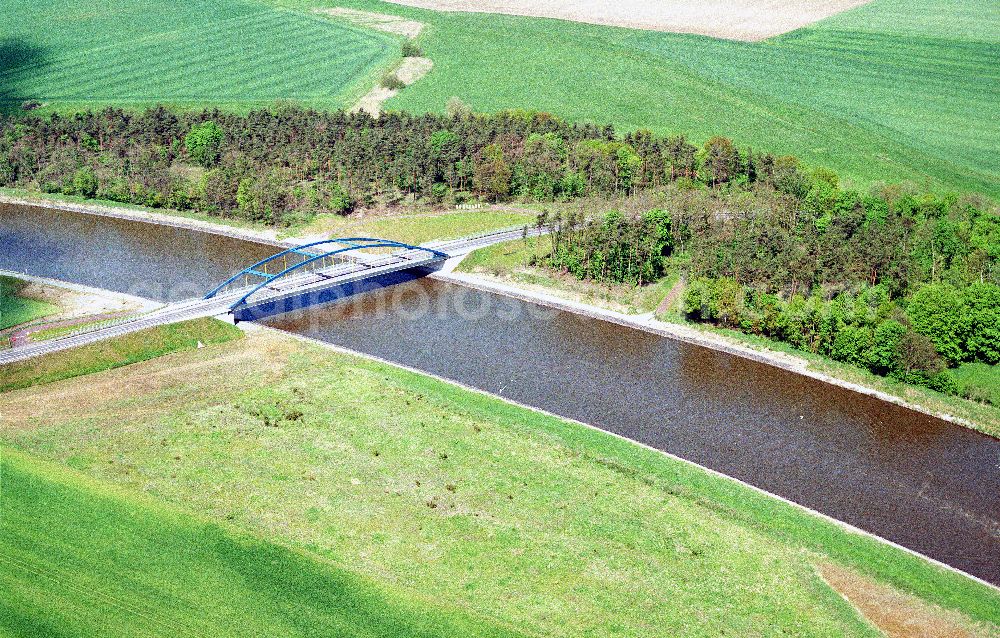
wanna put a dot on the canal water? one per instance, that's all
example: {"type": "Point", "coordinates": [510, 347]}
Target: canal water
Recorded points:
{"type": "Point", "coordinates": [919, 481]}
{"type": "Point", "coordinates": [157, 262]}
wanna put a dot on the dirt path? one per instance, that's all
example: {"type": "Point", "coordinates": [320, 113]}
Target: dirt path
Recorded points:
{"type": "Point", "coordinates": [896, 614]}
{"type": "Point", "coordinates": [379, 21]}
{"type": "Point", "coordinates": [409, 71]}
{"type": "Point", "coordinates": [668, 301]}
{"type": "Point", "coordinates": [77, 304]}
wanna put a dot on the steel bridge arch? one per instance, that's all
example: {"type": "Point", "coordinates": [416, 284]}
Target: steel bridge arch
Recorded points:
{"type": "Point", "coordinates": [346, 244]}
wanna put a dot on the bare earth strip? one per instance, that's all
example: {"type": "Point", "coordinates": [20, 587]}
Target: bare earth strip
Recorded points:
{"type": "Point", "coordinates": [898, 615]}
{"type": "Point", "coordinates": [379, 21]}
{"type": "Point", "coordinates": [749, 20]}
{"type": "Point", "coordinates": [409, 71]}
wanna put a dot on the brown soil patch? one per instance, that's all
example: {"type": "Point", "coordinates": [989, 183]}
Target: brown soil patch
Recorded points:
{"type": "Point", "coordinates": [380, 21]}
{"type": "Point", "coordinates": [749, 20]}
{"type": "Point", "coordinates": [896, 614]}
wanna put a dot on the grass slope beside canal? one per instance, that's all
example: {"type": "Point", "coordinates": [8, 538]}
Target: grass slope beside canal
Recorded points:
{"type": "Point", "coordinates": [104, 355]}
{"type": "Point", "coordinates": [447, 494]}
{"type": "Point", "coordinates": [418, 228]}
{"type": "Point", "coordinates": [410, 225]}
{"type": "Point", "coordinates": [81, 558]}
{"type": "Point", "coordinates": [15, 308]}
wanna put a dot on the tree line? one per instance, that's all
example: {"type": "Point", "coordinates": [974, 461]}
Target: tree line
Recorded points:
{"type": "Point", "coordinates": [284, 164]}
{"type": "Point", "coordinates": [895, 280]}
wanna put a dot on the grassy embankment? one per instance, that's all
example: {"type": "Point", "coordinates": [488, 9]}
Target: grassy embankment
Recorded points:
{"type": "Point", "coordinates": [908, 88]}
{"type": "Point", "coordinates": [83, 558]}
{"type": "Point", "coordinates": [185, 53]}
{"type": "Point", "coordinates": [509, 263]}
{"type": "Point", "coordinates": [411, 227]}
{"type": "Point", "coordinates": [417, 228]}
{"type": "Point", "coordinates": [15, 308]}
{"type": "Point", "coordinates": [452, 496]}
{"type": "Point", "coordinates": [114, 353]}
{"type": "Point", "coordinates": [979, 381]}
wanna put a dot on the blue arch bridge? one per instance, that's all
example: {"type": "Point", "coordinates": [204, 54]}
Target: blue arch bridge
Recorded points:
{"type": "Point", "coordinates": [297, 277]}
{"type": "Point", "coordinates": [321, 272]}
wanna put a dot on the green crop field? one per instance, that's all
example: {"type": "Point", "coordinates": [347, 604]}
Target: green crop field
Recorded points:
{"type": "Point", "coordinates": [221, 52]}
{"type": "Point", "coordinates": [895, 90]}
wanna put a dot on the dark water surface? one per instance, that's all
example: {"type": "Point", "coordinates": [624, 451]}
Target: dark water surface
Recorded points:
{"type": "Point", "coordinates": [919, 481]}
{"type": "Point", "coordinates": [157, 262]}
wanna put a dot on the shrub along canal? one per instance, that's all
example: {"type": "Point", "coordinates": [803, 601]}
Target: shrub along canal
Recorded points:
{"type": "Point", "coordinates": [919, 481]}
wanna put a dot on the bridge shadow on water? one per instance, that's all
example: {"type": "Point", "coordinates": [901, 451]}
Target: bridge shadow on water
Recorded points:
{"type": "Point", "coordinates": [19, 60]}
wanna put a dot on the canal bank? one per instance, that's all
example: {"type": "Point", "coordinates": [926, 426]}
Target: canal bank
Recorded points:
{"type": "Point", "coordinates": [463, 497]}
{"type": "Point", "coordinates": [921, 482]}
{"type": "Point", "coordinates": [123, 212]}
{"type": "Point", "coordinates": [701, 337]}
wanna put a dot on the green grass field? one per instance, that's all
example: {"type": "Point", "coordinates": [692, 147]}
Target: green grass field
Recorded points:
{"type": "Point", "coordinates": [521, 519]}
{"type": "Point", "coordinates": [15, 309]}
{"type": "Point", "coordinates": [78, 558]}
{"type": "Point", "coordinates": [895, 90]}
{"type": "Point", "coordinates": [229, 53]}
{"type": "Point", "coordinates": [104, 355]}
{"type": "Point", "coordinates": [979, 381]}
